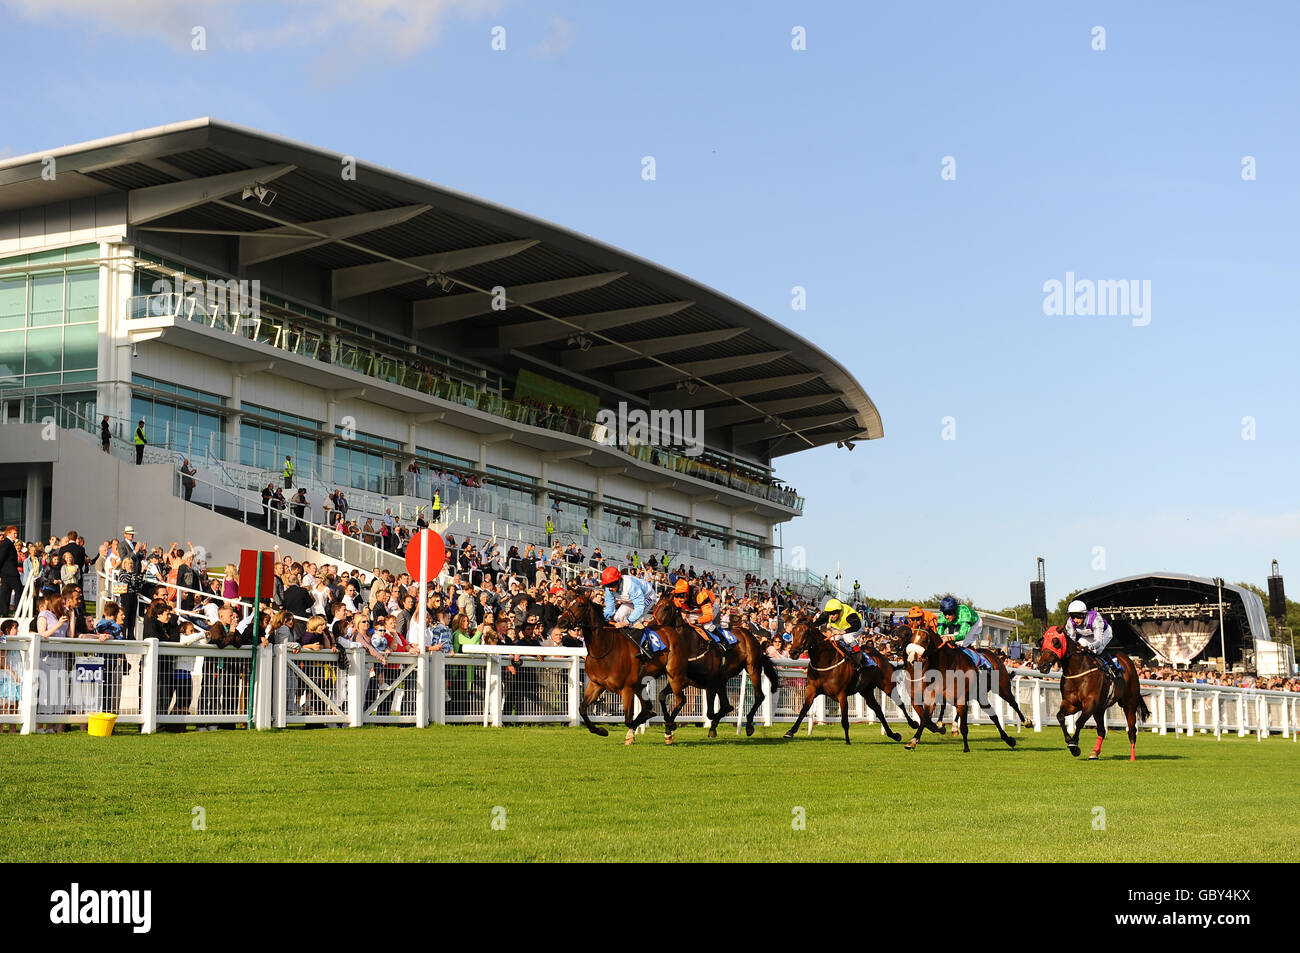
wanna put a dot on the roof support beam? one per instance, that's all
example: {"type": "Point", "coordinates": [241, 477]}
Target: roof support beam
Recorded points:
{"type": "Point", "coordinates": [363, 279]}
{"type": "Point", "coordinates": [681, 398]}
{"type": "Point", "coordinates": [435, 312]}
{"type": "Point", "coordinates": [145, 205]}
{"type": "Point", "coordinates": [790, 444]}
{"type": "Point", "coordinates": [750, 432]}
{"type": "Point", "coordinates": [651, 376]}
{"type": "Point", "coordinates": [607, 354]}
{"type": "Point", "coordinates": [728, 414]}
{"type": "Point", "coordinates": [287, 239]}
{"type": "Point", "coordinates": [528, 333]}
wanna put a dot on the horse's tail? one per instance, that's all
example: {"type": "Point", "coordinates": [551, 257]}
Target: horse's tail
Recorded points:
{"type": "Point", "coordinates": [769, 669]}
{"type": "Point", "coordinates": [1142, 709]}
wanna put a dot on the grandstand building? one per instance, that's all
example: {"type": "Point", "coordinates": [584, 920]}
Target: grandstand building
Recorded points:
{"type": "Point", "coordinates": [251, 298]}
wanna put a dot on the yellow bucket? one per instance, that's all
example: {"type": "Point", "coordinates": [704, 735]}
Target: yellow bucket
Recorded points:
{"type": "Point", "coordinates": [101, 725]}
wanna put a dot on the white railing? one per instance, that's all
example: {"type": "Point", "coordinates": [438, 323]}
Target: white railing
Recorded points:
{"type": "Point", "coordinates": [154, 684]}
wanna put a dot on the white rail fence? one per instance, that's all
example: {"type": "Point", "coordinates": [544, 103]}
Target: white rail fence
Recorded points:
{"type": "Point", "coordinates": [159, 685]}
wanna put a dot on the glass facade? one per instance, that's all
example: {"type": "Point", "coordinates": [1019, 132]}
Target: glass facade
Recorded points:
{"type": "Point", "coordinates": [366, 461]}
{"type": "Point", "coordinates": [49, 319]}
{"type": "Point", "coordinates": [265, 442]}
{"type": "Point", "coordinates": [175, 422]}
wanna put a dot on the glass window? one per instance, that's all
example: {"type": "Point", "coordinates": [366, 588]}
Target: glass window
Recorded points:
{"type": "Point", "coordinates": [13, 303]}
{"type": "Point", "coordinates": [46, 300]}
{"type": "Point", "coordinates": [83, 296]}
{"type": "Point", "coordinates": [80, 346]}
{"type": "Point", "coordinates": [44, 350]}
{"type": "Point", "coordinates": [12, 347]}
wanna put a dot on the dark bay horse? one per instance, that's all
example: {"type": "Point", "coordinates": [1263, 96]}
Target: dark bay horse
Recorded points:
{"type": "Point", "coordinates": [710, 666]}
{"type": "Point", "coordinates": [613, 663]}
{"type": "Point", "coordinates": [832, 674]}
{"type": "Point", "coordinates": [937, 673]}
{"type": "Point", "coordinates": [1088, 688]}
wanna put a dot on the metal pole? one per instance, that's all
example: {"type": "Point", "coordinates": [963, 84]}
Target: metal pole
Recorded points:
{"type": "Point", "coordinates": [1223, 639]}
{"type": "Point", "coordinates": [257, 598]}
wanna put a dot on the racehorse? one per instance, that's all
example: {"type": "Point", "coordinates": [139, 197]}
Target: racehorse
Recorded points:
{"type": "Point", "coordinates": [1087, 687]}
{"type": "Point", "coordinates": [710, 666]}
{"type": "Point", "coordinates": [939, 674]}
{"type": "Point", "coordinates": [613, 664]}
{"type": "Point", "coordinates": [832, 673]}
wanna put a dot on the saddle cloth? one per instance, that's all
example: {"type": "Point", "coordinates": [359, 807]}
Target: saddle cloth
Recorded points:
{"type": "Point", "coordinates": [979, 660]}
{"type": "Point", "coordinates": [650, 639]}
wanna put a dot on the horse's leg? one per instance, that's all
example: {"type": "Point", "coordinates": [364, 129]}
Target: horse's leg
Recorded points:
{"type": "Point", "coordinates": [755, 679]}
{"type": "Point", "coordinates": [712, 710]}
{"type": "Point", "coordinates": [1008, 696]}
{"type": "Point", "coordinates": [878, 710]}
{"type": "Point", "coordinates": [629, 706]}
{"type": "Point", "coordinates": [988, 710]}
{"type": "Point", "coordinates": [1100, 721]}
{"type": "Point", "coordinates": [589, 696]}
{"type": "Point", "coordinates": [809, 696]}
{"type": "Point", "coordinates": [1130, 714]}
{"type": "Point", "coordinates": [843, 699]}
{"type": "Point", "coordinates": [647, 701]}
{"type": "Point", "coordinates": [960, 716]}
{"type": "Point", "coordinates": [922, 720]}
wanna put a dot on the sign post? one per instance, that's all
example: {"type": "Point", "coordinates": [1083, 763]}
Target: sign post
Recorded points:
{"type": "Point", "coordinates": [425, 556]}
{"type": "Point", "coordinates": [253, 565]}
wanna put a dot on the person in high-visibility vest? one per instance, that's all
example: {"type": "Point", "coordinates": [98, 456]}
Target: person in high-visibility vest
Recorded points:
{"type": "Point", "coordinates": [140, 441]}
{"type": "Point", "coordinates": [437, 507]}
{"type": "Point", "coordinates": [288, 472]}
{"type": "Point", "coordinates": [550, 530]}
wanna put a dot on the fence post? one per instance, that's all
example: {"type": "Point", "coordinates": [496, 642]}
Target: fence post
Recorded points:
{"type": "Point", "coordinates": [1218, 726]}
{"type": "Point", "coordinates": [31, 676]}
{"type": "Point", "coordinates": [438, 715]}
{"type": "Point", "coordinates": [262, 689]}
{"type": "Point", "coordinates": [1160, 702]}
{"type": "Point", "coordinates": [1261, 718]}
{"type": "Point", "coordinates": [740, 701]}
{"type": "Point", "coordinates": [769, 701]}
{"type": "Point", "coordinates": [574, 688]}
{"type": "Point", "coordinates": [819, 712]}
{"type": "Point", "coordinates": [421, 689]}
{"type": "Point", "coordinates": [1038, 704]}
{"type": "Point", "coordinates": [1241, 714]}
{"type": "Point", "coordinates": [149, 688]}
{"type": "Point", "coordinates": [356, 694]}
{"type": "Point", "coordinates": [1286, 719]}
{"type": "Point", "coordinates": [280, 681]}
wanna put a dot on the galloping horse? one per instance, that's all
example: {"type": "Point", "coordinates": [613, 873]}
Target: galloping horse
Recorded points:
{"type": "Point", "coordinates": [1087, 687]}
{"type": "Point", "coordinates": [710, 666]}
{"type": "Point", "coordinates": [613, 663]}
{"type": "Point", "coordinates": [831, 674]}
{"type": "Point", "coordinates": [939, 673]}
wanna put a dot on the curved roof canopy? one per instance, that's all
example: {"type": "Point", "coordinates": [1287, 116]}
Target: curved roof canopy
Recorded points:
{"type": "Point", "coordinates": [379, 242]}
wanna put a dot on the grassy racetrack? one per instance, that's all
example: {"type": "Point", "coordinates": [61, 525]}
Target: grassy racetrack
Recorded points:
{"type": "Point", "coordinates": [407, 794]}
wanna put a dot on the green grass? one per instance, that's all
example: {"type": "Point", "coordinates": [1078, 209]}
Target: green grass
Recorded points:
{"type": "Point", "coordinates": [406, 794]}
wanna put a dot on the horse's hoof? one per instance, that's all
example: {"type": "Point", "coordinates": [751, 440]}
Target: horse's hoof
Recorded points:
{"type": "Point", "coordinates": [895, 737]}
{"type": "Point", "coordinates": [1074, 750]}
{"type": "Point", "coordinates": [713, 733]}
{"type": "Point", "coordinates": [598, 730]}
{"type": "Point", "coordinates": [629, 737]}
{"type": "Point", "coordinates": [1011, 742]}
{"type": "Point", "coordinates": [749, 731]}
{"type": "Point", "coordinates": [668, 738]}
{"type": "Point", "coordinates": [911, 745]}
{"type": "Point", "coordinates": [788, 735]}
{"type": "Point", "coordinates": [1094, 757]}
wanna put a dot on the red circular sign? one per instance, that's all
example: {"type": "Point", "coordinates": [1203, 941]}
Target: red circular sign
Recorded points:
{"type": "Point", "coordinates": [436, 549]}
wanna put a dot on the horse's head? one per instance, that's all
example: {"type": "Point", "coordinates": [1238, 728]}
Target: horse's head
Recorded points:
{"type": "Point", "coordinates": [1056, 646]}
{"type": "Point", "coordinates": [802, 635]}
{"type": "Point", "coordinates": [577, 607]}
{"type": "Point", "coordinates": [918, 639]}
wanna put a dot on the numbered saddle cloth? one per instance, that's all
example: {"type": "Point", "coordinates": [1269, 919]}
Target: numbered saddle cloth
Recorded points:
{"type": "Point", "coordinates": [1112, 666]}
{"type": "Point", "coordinates": [727, 637]}
{"type": "Point", "coordinates": [650, 639]}
{"type": "Point", "coordinates": [979, 660]}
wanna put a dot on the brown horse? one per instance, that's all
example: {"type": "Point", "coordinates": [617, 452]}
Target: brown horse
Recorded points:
{"type": "Point", "coordinates": [710, 666]}
{"type": "Point", "coordinates": [613, 664]}
{"type": "Point", "coordinates": [1087, 687]}
{"type": "Point", "coordinates": [938, 673]}
{"type": "Point", "coordinates": [833, 674]}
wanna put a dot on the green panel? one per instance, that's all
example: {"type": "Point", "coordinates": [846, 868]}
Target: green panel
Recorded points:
{"type": "Point", "coordinates": [83, 290]}
{"type": "Point", "coordinates": [13, 303]}
{"type": "Point", "coordinates": [78, 377]}
{"type": "Point", "coordinates": [81, 346]}
{"type": "Point", "coordinates": [77, 252]}
{"type": "Point", "coordinates": [41, 257]}
{"type": "Point", "coordinates": [41, 380]}
{"type": "Point", "coordinates": [13, 346]}
{"type": "Point", "coordinates": [44, 350]}
{"type": "Point", "coordinates": [47, 300]}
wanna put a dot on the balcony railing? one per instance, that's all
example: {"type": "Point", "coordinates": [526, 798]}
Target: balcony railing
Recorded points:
{"type": "Point", "coordinates": [406, 370]}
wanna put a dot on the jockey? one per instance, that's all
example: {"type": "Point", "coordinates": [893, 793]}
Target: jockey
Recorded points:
{"type": "Point", "coordinates": [918, 616]}
{"type": "Point", "coordinates": [1089, 629]}
{"type": "Point", "coordinates": [842, 623]}
{"type": "Point", "coordinates": [958, 623]}
{"type": "Point", "coordinates": [698, 610]}
{"type": "Point", "coordinates": [630, 604]}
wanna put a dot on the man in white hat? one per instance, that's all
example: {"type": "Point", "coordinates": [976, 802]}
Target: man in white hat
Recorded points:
{"type": "Point", "coordinates": [133, 548]}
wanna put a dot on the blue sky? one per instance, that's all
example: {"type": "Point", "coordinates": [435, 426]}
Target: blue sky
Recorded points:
{"type": "Point", "coordinates": [821, 168]}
